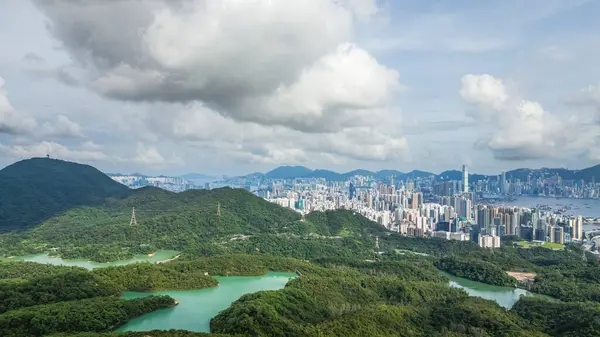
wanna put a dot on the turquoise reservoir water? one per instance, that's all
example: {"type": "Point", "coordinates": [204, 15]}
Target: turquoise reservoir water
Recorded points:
{"type": "Point", "coordinates": [505, 296]}
{"type": "Point", "coordinates": [160, 255]}
{"type": "Point", "coordinates": [197, 307]}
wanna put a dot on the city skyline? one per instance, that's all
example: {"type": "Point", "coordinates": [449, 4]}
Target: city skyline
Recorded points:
{"type": "Point", "coordinates": [359, 84]}
{"type": "Point", "coordinates": [207, 175]}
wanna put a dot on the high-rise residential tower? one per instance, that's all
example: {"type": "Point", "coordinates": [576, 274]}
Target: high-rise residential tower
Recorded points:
{"type": "Point", "coordinates": [503, 185]}
{"type": "Point", "coordinates": [465, 172]}
{"type": "Point", "coordinates": [578, 230]}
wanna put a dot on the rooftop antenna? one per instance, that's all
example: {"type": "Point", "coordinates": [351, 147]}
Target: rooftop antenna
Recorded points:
{"type": "Point", "coordinates": [133, 221]}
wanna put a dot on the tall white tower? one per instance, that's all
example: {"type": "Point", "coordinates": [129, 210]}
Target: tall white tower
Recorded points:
{"type": "Point", "coordinates": [465, 172]}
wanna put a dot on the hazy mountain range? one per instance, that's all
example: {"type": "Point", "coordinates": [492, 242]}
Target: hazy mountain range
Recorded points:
{"type": "Point", "coordinates": [288, 172]}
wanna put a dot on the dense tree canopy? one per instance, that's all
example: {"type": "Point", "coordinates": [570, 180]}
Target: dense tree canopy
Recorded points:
{"type": "Point", "coordinates": [476, 270]}
{"type": "Point", "coordinates": [581, 319]}
{"type": "Point", "coordinates": [96, 314]}
{"type": "Point", "coordinates": [65, 286]}
{"type": "Point", "coordinates": [36, 189]}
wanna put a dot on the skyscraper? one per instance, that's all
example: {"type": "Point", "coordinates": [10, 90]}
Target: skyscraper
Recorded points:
{"type": "Point", "coordinates": [465, 172]}
{"type": "Point", "coordinates": [417, 200]}
{"type": "Point", "coordinates": [503, 186]}
{"type": "Point", "coordinates": [578, 230]}
{"type": "Point", "coordinates": [351, 191]}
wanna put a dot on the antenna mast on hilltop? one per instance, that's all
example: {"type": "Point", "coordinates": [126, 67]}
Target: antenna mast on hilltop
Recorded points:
{"type": "Point", "coordinates": [218, 209]}
{"type": "Point", "coordinates": [133, 221]}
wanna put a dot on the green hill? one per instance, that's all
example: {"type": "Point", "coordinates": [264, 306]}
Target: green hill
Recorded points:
{"type": "Point", "coordinates": [198, 222]}
{"type": "Point", "coordinates": [36, 189]}
{"type": "Point", "coordinates": [76, 211]}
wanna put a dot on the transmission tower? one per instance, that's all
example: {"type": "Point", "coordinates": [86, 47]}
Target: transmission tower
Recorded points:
{"type": "Point", "coordinates": [133, 221]}
{"type": "Point", "coordinates": [377, 242]}
{"type": "Point", "coordinates": [218, 209]}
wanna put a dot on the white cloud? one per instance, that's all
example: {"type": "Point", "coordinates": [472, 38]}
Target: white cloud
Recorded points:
{"type": "Point", "coordinates": [55, 150]}
{"type": "Point", "coordinates": [284, 63]}
{"type": "Point", "coordinates": [204, 128]}
{"type": "Point", "coordinates": [90, 145]}
{"type": "Point", "coordinates": [483, 90]}
{"type": "Point", "coordinates": [522, 128]}
{"type": "Point", "coordinates": [10, 121]}
{"type": "Point", "coordinates": [364, 10]}
{"type": "Point", "coordinates": [63, 127]}
{"type": "Point", "coordinates": [149, 155]}
{"type": "Point", "coordinates": [18, 124]}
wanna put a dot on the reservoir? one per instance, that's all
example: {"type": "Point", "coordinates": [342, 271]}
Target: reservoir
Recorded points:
{"type": "Point", "coordinates": [197, 307]}
{"type": "Point", "coordinates": [44, 258]}
{"type": "Point", "coordinates": [505, 296]}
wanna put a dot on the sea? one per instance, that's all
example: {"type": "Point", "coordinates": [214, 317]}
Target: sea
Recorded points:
{"type": "Point", "coordinates": [587, 208]}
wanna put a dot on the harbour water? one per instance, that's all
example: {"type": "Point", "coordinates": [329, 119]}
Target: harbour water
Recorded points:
{"type": "Point", "coordinates": [584, 207]}
{"type": "Point", "coordinates": [197, 307]}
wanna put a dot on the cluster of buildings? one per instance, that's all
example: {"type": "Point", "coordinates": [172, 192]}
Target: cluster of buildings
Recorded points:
{"type": "Point", "coordinates": [446, 206]}
{"type": "Point", "coordinates": [422, 207]}
{"type": "Point", "coordinates": [173, 184]}
{"type": "Point", "coordinates": [537, 183]}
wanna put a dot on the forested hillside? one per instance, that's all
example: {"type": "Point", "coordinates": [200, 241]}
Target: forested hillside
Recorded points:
{"type": "Point", "coordinates": [198, 222]}
{"type": "Point", "coordinates": [36, 189]}
{"type": "Point", "coordinates": [346, 288]}
{"type": "Point", "coordinates": [395, 295]}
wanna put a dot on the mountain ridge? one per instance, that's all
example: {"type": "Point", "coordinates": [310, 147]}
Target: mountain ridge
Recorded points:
{"type": "Point", "coordinates": [290, 172]}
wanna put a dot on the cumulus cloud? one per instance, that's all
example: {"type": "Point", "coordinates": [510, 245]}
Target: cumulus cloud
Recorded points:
{"type": "Point", "coordinates": [522, 128]}
{"type": "Point", "coordinates": [483, 90]}
{"type": "Point", "coordinates": [11, 122]}
{"type": "Point", "coordinates": [18, 124]}
{"type": "Point", "coordinates": [149, 155]}
{"type": "Point", "coordinates": [203, 127]}
{"type": "Point", "coordinates": [63, 127]}
{"type": "Point", "coordinates": [53, 149]}
{"type": "Point", "coordinates": [284, 63]}
{"type": "Point", "coordinates": [90, 145]}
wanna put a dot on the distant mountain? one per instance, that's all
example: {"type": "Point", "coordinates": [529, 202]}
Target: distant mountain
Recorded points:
{"type": "Point", "coordinates": [419, 174]}
{"type": "Point", "coordinates": [588, 174]}
{"type": "Point", "coordinates": [326, 174]}
{"type": "Point", "coordinates": [287, 172]}
{"type": "Point", "coordinates": [359, 172]}
{"type": "Point", "coordinates": [390, 173]}
{"type": "Point", "coordinates": [457, 175]}
{"type": "Point", "coordinates": [35, 189]}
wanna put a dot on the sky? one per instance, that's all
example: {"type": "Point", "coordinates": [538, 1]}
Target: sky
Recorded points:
{"type": "Point", "coordinates": [238, 86]}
